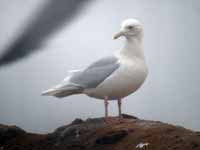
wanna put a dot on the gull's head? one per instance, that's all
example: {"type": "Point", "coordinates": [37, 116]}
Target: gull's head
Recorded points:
{"type": "Point", "coordinates": [129, 28]}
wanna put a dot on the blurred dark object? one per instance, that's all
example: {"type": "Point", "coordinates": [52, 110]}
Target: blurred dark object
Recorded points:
{"type": "Point", "coordinates": [50, 18]}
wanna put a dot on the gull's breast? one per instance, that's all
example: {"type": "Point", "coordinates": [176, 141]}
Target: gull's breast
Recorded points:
{"type": "Point", "coordinates": [124, 81]}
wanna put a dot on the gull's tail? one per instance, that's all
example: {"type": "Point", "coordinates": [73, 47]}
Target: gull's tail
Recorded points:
{"type": "Point", "coordinates": [63, 91]}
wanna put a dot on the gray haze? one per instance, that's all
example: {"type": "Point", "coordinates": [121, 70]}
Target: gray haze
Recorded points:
{"type": "Point", "coordinates": [170, 93]}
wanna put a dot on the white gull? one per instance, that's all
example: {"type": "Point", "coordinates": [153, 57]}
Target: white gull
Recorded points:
{"type": "Point", "coordinates": [113, 77]}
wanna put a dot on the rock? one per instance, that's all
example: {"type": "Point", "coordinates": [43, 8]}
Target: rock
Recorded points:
{"type": "Point", "coordinates": [95, 134]}
{"type": "Point", "coordinates": [77, 121]}
{"type": "Point", "coordinates": [8, 133]}
{"type": "Point", "coordinates": [112, 137]}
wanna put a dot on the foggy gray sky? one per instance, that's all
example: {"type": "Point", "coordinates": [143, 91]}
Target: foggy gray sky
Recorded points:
{"type": "Point", "coordinates": [170, 93]}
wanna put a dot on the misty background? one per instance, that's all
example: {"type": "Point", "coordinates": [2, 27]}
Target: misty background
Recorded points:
{"type": "Point", "coordinates": [170, 94]}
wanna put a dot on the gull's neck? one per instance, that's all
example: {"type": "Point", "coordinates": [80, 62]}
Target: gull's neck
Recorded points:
{"type": "Point", "coordinates": [133, 47]}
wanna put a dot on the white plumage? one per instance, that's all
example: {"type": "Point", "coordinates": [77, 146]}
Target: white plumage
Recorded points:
{"type": "Point", "coordinates": [114, 77]}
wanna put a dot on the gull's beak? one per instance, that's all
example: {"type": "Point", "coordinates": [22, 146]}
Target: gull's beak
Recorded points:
{"type": "Point", "coordinates": [117, 35]}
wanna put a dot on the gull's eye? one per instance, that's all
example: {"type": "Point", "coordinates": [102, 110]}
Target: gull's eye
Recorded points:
{"type": "Point", "coordinates": [130, 27]}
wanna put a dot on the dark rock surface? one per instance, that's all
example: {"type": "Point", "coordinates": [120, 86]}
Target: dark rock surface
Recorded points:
{"type": "Point", "coordinates": [95, 134]}
{"type": "Point", "coordinates": [7, 133]}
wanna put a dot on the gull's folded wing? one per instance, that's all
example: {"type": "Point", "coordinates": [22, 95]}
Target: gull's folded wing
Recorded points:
{"type": "Point", "coordinates": [88, 78]}
{"type": "Point", "coordinates": [97, 72]}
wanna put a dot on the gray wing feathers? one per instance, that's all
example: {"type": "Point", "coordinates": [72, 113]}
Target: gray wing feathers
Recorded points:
{"type": "Point", "coordinates": [97, 72]}
{"type": "Point", "coordinates": [91, 77]}
{"type": "Point", "coordinates": [63, 90]}
{"type": "Point", "coordinates": [66, 92]}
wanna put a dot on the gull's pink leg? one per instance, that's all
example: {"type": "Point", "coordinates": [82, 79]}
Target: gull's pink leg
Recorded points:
{"type": "Point", "coordinates": [108, 120]}
{"type": "Point", "coordinates": [112, 120]}
{"type": "Point", "coordinates": [106, 106]}
{"type": "Point", "coordinates": [121, 119]}
{"type": "Point", "coordinates": [119, 107]}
